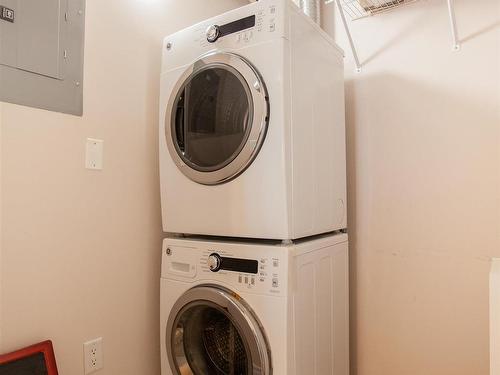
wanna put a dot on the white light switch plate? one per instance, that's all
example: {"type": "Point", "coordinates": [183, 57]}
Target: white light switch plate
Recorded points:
{"type": "Point", "coordinates": [94, 153]}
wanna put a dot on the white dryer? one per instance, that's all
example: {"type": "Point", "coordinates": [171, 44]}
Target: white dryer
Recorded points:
{"type": "Point", "coordinates": [252, 129]}
{"type": "Point", "coordinates": [255, 309]}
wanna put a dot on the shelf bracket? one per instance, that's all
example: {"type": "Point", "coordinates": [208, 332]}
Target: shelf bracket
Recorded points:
{"type": "Point", "coordinates": [349, 36]}
{"type": "Point", "coordinates": [453, 25]}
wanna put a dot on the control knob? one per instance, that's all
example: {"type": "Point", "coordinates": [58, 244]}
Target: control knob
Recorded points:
{"type": "Point", "coordinates": [213, 33]}
{"type": "Point", "coordinates": [214, 262]}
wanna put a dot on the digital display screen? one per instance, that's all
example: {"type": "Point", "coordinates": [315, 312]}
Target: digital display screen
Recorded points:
{"type": "Point", "coordinates": [240, 265]}
{"type": "Point", "coordinates": [234, 27]}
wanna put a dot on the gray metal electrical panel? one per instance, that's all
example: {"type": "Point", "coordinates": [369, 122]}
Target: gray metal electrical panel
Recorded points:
{"type": "Point", "coordinates": [41, 53]}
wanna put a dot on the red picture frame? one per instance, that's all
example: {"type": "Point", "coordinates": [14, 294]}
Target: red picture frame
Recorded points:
{"type": "Point", "coordinates": [44, 347]}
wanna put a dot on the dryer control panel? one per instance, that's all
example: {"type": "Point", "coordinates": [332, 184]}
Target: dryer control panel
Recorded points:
{"type": "Point", "coordinates": [215, 32]}
{"type": "Point", "coordinates": [261, 20]}
{"type": "Point", "coordinates": [246, 27]}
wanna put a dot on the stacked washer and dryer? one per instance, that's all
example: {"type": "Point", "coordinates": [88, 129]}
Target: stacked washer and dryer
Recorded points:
{"type": "Point", "coordinates": [254, 276]}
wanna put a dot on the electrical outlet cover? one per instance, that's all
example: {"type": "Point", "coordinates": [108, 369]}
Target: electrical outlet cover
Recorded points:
{"type": "Point", "coordinates": [92, 353]}
{"type": "Point", "coordinates": [94, 149]}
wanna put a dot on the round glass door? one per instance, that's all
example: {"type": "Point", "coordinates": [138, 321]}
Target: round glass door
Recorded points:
{"type": "Point", "coordinates": [209, 332]}
{"type": "Point", "coordinates": [217, 118]}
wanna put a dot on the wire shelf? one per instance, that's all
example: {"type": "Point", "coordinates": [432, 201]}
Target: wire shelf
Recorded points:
{"type": "Point", "coordinates": [357, 9]}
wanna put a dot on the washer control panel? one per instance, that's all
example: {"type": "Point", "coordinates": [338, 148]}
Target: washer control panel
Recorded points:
{"type": "Point", "coordinates": [263, 274]}
{"type": "Point", "coordinates": [259, 269]}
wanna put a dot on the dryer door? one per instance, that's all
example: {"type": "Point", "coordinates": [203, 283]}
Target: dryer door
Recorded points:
{"type": "Point", "coordinates": [217, 118]}
{"type": "Point", "coordinates": [212, 332]}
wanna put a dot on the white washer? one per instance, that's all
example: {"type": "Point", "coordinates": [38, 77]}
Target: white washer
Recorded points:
{"type": "Point", "coordinates": [252, 128]}
{"type": "Point", "coordinates": [268, 309]}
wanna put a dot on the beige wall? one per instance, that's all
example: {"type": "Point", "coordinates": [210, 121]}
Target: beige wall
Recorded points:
{"type": "Point", "coordinates": [424, 187]}
{"type": "Point", "coordinates": [81, 249]}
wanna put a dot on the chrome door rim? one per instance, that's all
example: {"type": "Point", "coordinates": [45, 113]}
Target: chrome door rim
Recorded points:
{"type": "Point", "coordinates": [258, 125]}
{"type": "Point", "coordinates": [240, 315]}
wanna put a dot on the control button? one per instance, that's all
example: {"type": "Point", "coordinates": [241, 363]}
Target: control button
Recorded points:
{"type": "Point", "coordinates": [253, 281]}
{"type": "Point", "coordinates": [273, 9]}
{"type": "Point", "coordinates": [276, 262]}
{"type": "Point", "coordinates": [272, 27]}
{"type": "Point", "coordinates": [214, 262]}
{"type": "Point", "coordinates": [275, 283]}
{"type": "Point", "coordinates": [240, 279]}
{"type": "Point", "coordinates": [213, 33]}
{"type": "Point", "coordinates": [246, 279]}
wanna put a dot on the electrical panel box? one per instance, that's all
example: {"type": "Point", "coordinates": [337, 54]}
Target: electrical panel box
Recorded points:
{"type": "Point", "coordinates": [41, 53]}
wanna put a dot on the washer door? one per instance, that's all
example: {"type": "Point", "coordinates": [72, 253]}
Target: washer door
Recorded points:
{"type": "Point", "coordinates": [210, 331]}
{"type": "Point", "coordinates": [217, 118]}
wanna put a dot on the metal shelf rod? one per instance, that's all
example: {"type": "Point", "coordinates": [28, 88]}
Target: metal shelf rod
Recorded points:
{"type": "Point", "coordinates": [453, 24]}
{"type": "Point", "coordinates": [349, 36]}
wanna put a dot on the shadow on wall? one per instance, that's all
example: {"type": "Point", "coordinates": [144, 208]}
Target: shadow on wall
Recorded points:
{"type": "Point", "coordinates": [487, 29]}
{"type": "Point", "coordinates": [423, 184]}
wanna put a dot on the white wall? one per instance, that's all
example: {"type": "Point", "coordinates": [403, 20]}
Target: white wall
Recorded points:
{"type": "Point", "coordinates": [80, 249]}
{"type": "Point", "coordinates": [424, 187]}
